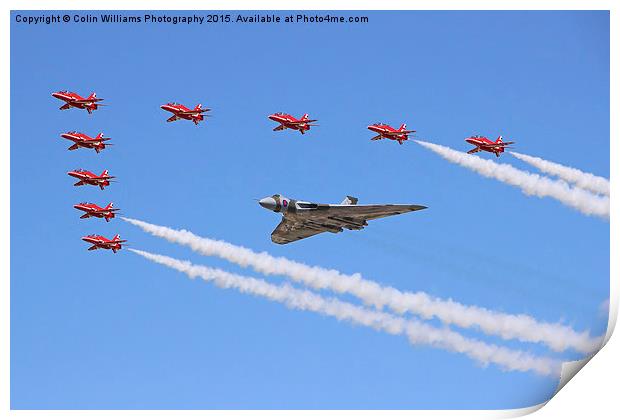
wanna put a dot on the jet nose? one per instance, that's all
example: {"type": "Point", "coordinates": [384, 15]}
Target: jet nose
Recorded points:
{"type": "Point", "coordinates": [268, 202]}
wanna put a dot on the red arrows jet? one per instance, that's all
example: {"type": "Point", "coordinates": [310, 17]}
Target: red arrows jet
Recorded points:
{"type": "Point", "coordinates": [183, 112]}
{"type": "Point", "coordinates": [85, 141]}
{"type": "Point", "coordinates": [101, 242]}
{"type": "Point", "coordinates": [73, 100]}
{"type": "Point", "coordinates": [92, 210]}
{"type": "Point", "coordinates": [483, 143]}
{"type": "Point", "coordinates": [386, 131]}
{"type": "Point", "coordinates": [288, 121]}
{"type": "Point", "coordinates": [87, 177]}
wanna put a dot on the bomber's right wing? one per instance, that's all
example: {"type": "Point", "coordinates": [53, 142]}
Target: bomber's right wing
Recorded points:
{"type": "Point", "coordinates": [289, 231]}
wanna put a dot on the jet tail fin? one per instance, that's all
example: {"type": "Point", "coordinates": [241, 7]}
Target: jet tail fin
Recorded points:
{"type": "Point", "coordinates": [349, 200]}
{"type": "Point", "coordinates": [92, 96]}
{"type": "Point", "coordinates": [116, 237]}
{"type": "Point", "coordinates": [104, 173]}
{"type": "Point", "coordinates": [198, 107]}
{"type": "Point", "coordinates": [403, 127]}
{"type": "Point", "coordinates": [304, 117]}
{"type": "Point", "coordinates": [109, 206]}
{"type": "Point", "coordinates": [500, 139]}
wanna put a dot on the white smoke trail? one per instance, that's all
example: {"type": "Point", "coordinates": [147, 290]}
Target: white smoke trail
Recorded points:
{"type": "Point", "coordinates": [531, 184]}
{"type": "Point", "coordinates": [507, 326]}
{"type": "Point", "coordinates": [583, 180]}
{"type": "Point", "coordinates": [417, 332]}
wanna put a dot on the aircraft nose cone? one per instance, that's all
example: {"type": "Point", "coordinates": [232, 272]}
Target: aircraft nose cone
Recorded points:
{"type": "Point", "coordinates": [268, 202]}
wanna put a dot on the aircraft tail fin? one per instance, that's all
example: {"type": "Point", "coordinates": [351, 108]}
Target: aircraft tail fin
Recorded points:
{"type": "Point", "coordinates": [92, 96]}
{"type": "Point", "coordinates": [109, 206]}
{"type": "Point", "coordinates": [104, 173]}
{"type": "Point", "coordinates": [500, 139]}
{"type": "Point", "coordinates": [198, 107]}
{"type": "Point", "coordinates": [99, 136]}
{"type": "Point", "coordinates": [117, 237]}
{"type": "Point", "coordinates": [403, 127]}
{"type": "Point", "coordinates": [304, 117]}
{"type": "Point", "coordinates": [349, 200]}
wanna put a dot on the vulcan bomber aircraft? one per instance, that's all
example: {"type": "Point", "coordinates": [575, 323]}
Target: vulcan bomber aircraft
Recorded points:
{"type": "Point", "coordinates": [302, 219]}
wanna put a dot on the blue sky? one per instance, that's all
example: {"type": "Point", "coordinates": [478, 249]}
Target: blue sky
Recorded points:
{"type": "Point", "coordinates": [97, 330]}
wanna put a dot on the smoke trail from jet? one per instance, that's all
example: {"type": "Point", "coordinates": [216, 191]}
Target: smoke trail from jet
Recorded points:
{"type": "Point", "coordinates": [531, 184]}
{"type": "Point", "coordinates": [417, 332]}
{"type": "Point", "coordinates": [583, 180]}
{"type": "Point", "coordinates": [522, 327]}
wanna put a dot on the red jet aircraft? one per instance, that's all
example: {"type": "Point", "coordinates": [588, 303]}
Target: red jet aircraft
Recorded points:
{"type": "Point", "coordinates": [85, 141]}
{"type": "Point", "coordinates": [386, 131]}
{"type": "Point", "coordinates": [483, 143]}
{"type": "Point", "coordinates": [183, 112]}
{"type": "Point", "coordinates": [101, 242]}
{"type": "Point", "coordinates": [73, 100]}
{"type": "Point", "coordinates": [87, 177]}
{"type": "Point", "coordinates": [288, 121]}
{"type": "Point", "coordinates": [92, 210]}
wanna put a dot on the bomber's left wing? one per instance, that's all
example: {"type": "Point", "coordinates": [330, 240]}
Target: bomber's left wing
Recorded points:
{"type": "Point", "coordinates": [288, 231]}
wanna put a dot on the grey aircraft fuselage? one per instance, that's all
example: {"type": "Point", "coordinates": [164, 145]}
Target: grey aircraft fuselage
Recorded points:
{"type": "Point", "coordinates": [302, 219]}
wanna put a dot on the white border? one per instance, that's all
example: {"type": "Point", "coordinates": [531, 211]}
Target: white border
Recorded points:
{"type": "Point", "coordinates": [594, 393]}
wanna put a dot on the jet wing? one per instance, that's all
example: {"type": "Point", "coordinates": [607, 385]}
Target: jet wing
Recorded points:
{"type": "Point", "coordinates": [301, 122]}
{"type": "Point", "coordinates": [369, 211]}
{"type": "Point", "coordinates": [333, 218]}
{"type": "Point", "coordinates": [102, 211]}
{"type": "Point", "coordinates": [193, 111]}
{"type": "Point", "coordinates": [498, 145]}
{"type": "Point", "coordinates": [291, 231]}
{"type": "Point", "coordinates": [86, 101]}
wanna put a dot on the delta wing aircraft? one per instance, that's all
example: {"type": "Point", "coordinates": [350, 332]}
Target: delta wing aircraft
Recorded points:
{"type": "Point", "coordinates": [302, 219]}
